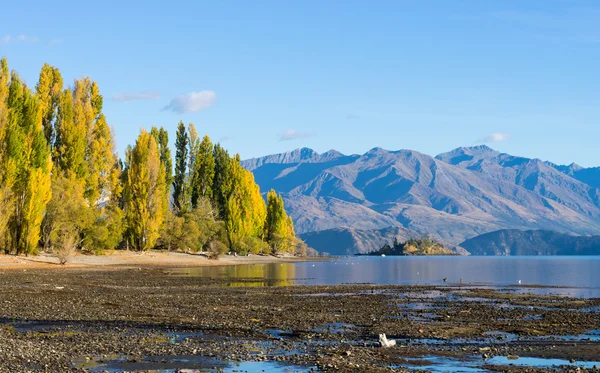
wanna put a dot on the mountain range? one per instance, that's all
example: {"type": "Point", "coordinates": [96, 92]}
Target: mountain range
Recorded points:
{"type": "Point", "coordinates": [534, 242]}
{"type": "Point", "coordinates": [452, 197]}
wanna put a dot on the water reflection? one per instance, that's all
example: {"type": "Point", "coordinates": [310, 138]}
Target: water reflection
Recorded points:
{"type": "Point", "coordinates": [579, 274]}
{"type": "Point", "coordinates": [283, 274]}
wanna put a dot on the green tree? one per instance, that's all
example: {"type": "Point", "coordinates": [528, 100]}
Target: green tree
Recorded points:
{"type": "Point", "coordinates": [180, 183]}
{"type": "Point", "coordinates": [71, 141]}
{"type": "Point", "coordinates": [204, 171]}
{"type": "Point", "coordinates": [144, 193]}
{"type": "Point", "coordinates": [222, 179]}
{"type": "Point", "coordinates": [107, 231]}
{"type": "Point", "coordinates": [192, 230]}
{"type": "Point", "coordinates": [162, 140]}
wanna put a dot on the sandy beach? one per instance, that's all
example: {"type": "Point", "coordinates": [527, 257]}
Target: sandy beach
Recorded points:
{"type": "Point", "coordinates": [124, 259]}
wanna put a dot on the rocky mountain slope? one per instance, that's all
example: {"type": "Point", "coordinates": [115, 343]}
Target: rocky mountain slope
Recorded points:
{"type": "Point", "coordinates": [348, 241]}
{"type": "Point", "coordinates": [453, 197]}
{"type": "Point", "coordinates": [533, 242]}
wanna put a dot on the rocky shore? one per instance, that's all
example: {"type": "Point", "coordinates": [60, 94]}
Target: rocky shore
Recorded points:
{"type": "Point", "coordinates": [148, 318]}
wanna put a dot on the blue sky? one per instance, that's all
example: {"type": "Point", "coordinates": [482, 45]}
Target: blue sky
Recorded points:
{"type": "Point", "coordinates": [271, 76]}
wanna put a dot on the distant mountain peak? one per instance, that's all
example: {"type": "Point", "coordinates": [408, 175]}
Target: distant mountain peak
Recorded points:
{"type": "Point", "coordinates": [479, 148]}
{"type": "Point", "coordinates": [467, 153]}
{"type": "Point", "coordinates": [295, 156]}
{"type": "Point", "coordinates": [568, 169]}
{"type": "Point", "coordinates": [376, 150]}
{"type": "Point", "coordinates": [331, 154]}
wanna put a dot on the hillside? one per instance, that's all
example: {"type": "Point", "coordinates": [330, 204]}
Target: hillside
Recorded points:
{"type": "Point", "coordinates": [347, 241]}
{"type": "Point", "coordinates": [453, 197]}
{"type": "Point", "coordinates": [533, 242]}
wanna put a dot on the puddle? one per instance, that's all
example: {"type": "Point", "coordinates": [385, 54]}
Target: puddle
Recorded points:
{"type": "Point", "coordinates": [426, 294]}
{"type": "Point", "coordinates": [418, 306]}
{"type": "Point", "coordinates": [540, 362]}
{"type": "Point", "coordinates": [168, 364]}
{"type": "Point", "coordinates": [592, 335]}
{"type": "Point", "coordinates": [533, 317]}
{"type": "Point", "coordinates": [424, 317]}
{"type": "Point", "coordinates": [489, 338]}
{"type": "Point", "coordinates": [439, 364]}
{"type": "Point", "coordinates": [335, 328]}
{"type": "Point", "coordinates": [175, 337]}
{"type": "Point", "coordinates": [25, 326]}
{"type": "Point", "coordinates": [279, 333]}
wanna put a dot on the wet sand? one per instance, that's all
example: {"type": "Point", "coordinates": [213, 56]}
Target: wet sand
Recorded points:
{"type": "Point", "coordinates": [144, 318]}
{"type": "Point", "coordinates": [122, 258]}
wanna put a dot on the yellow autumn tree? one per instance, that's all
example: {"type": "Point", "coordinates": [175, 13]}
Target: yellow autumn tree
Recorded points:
{"type": "Point", "coordinates": [245, 209]}
{"type": "Point", "coordinates": [5, 183]}
{"type": "Point", "coordinates": [144, 193]}
{"type": "Point", "coordinates": [279, 228]}
{"type": "Point", "coordinates": [101, 162]}
{"type": "Point", "coordinates": [49, 89]}
{"type": "Point", "coordinates": [28, 162]}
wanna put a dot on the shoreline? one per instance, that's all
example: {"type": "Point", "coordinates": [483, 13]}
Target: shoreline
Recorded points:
{"type": "Point", "coordinates": [120, 259]}
{"type": "Point", "coordinates": [145, 320]}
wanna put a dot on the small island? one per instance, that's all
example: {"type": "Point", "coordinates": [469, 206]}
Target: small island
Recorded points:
{"type": "Point", "coordinates": [414, 247]}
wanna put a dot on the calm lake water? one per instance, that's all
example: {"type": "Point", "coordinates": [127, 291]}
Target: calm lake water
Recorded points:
{"type": "Point", "coordinates": [579, 275]}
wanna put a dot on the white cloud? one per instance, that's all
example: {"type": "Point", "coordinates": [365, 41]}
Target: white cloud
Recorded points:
{"type": "Point", "coordinates": [19, 39]}
{"type": "Point", "coordinates": [127, 97]}
{"type": "Point", "coordinates": [290, 135]}
{"type": "Point", "coordinates": [495, 137]}
{"type": "Point", "coordinates": [27, 39]}
{"type": "Point", "coordinates": [353, 116]}
{"type": "Point", "coordinates": [194, 101]}
{"type": "Point", "coordinates": [56, 41]}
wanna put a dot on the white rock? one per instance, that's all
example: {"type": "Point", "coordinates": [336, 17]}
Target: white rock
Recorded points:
{"type": "Point", "coordinates": [384, 342]}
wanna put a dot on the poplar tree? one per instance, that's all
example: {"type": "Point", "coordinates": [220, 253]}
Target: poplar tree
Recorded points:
{"type": "Point", "coordinates": [221, 180]}
{"type": "Point", "coordinates": [5, 175]}
{"type": "Point", "coordinates": [71, 137]}
{"type": "Point", "coordinates": [28, 159]}
{"type": "Point", "coordinates": [101, 162]}
{"type": "Point", "coordinates": [279, 228]}
{"type": "Point", "coordinates": [204, 171]}
{"type": "Point", "coordinates": [180, 184]}
{"type": "Point", "coordinates": [145, 190]}
{"type": "Point", "coordinates": [162, 140]}
{"type": "Point", "coordinates": [49, 88]}
{"type": "Point", "coordinates": [245, 209]}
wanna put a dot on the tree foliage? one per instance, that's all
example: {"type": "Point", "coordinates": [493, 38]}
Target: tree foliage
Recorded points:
{"type": "Point", "coordinates": [204, 171]}
{"type": "Point", "coordinates": [145, 190]}
{"type": "Point", "coordinates": [279, 228]}
{"type": "Point", "coordinates": [64, 188]}
{"type": "Point", "coordinates": [180, 182]}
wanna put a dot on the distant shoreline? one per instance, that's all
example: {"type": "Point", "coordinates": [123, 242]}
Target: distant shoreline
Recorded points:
{"type": "Point", "coordinates": [129, 259]}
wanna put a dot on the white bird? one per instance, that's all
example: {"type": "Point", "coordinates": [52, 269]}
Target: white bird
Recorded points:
{"type": "Point", "coordinates": [519, 282]}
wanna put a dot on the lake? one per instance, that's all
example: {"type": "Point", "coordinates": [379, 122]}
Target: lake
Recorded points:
{"type": "Point", "coordinates": [579, 275]}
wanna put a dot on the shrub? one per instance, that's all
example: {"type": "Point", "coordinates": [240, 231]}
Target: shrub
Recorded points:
{"type": "Point", "coordinates": [216, 249]}
{"type": "Point", "coordinates": [66, 248]}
